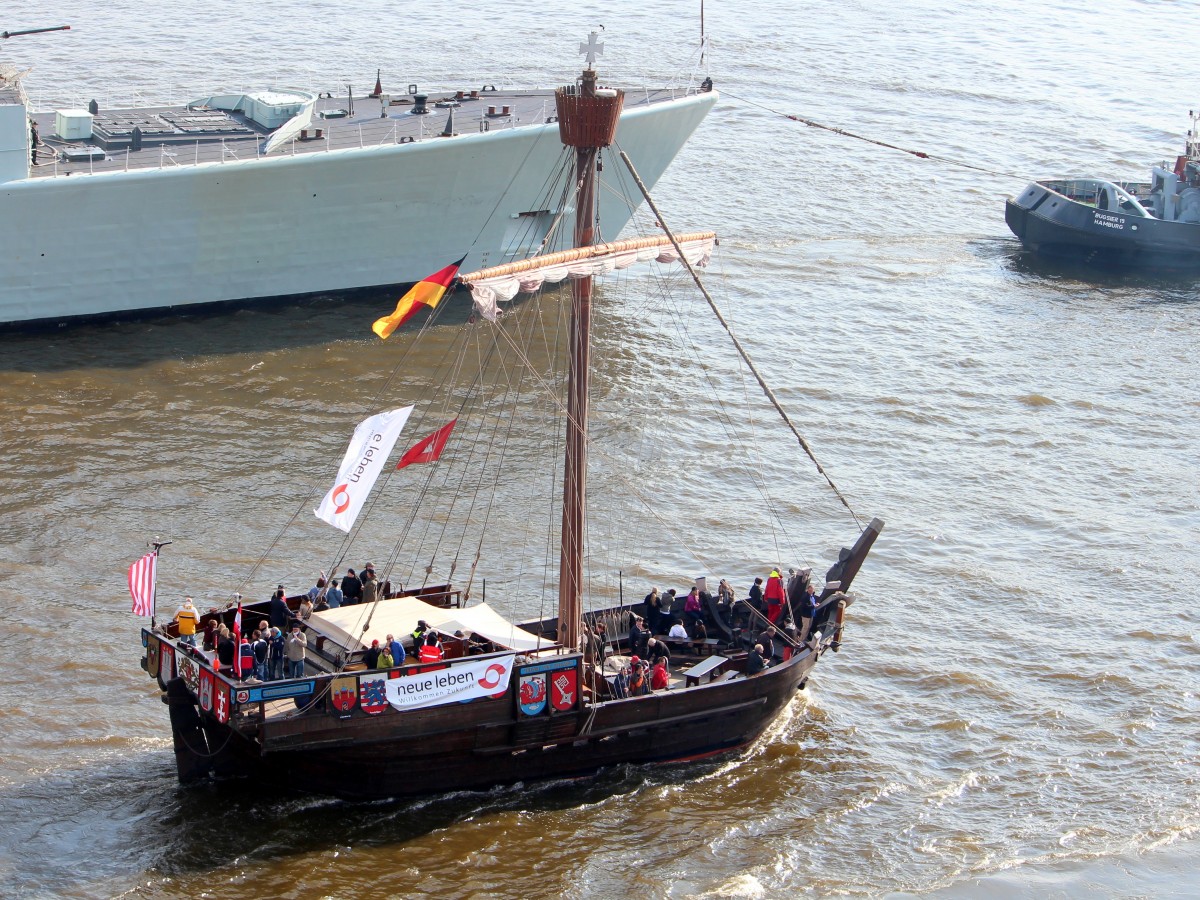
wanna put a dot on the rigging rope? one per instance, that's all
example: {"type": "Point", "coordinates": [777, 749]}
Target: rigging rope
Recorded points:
{"type": "Point", "coordinates": [920, 154]}
{"type": "Point", "coordinates": [736, 343]}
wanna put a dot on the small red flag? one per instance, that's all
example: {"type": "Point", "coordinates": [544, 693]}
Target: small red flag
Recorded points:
{"type": "Point", "coordinates": [427, 449]}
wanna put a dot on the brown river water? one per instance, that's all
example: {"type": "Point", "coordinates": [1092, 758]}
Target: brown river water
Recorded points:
{"type": "Point", "coordinates": [1015, 711]}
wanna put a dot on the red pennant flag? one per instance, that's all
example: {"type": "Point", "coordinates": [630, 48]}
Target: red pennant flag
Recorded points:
{"type": "Point", "coordinates": [427, 449]}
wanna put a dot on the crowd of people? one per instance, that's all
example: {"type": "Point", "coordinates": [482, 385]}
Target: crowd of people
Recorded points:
{"type": "Point", "coordinates": [777, 604]}
{"type": "Point", "coordinates": [276, 648]}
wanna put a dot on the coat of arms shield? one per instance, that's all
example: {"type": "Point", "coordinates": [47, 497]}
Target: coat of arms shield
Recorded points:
{"type": "Point", "coordinates": [205, 694]}
{"type": "Point", "coordinates": [372, 693]}
{"type": "Point", "coordinates": [166, 664]}
{"type": "Point", "coordinates": [189, 671]}
{"type": "Point", "coordinates": [343, 694]}
{"type": "Point", "coordinates": [152, 645]}
{"type": "Point", "coordinates": [563, 689]}
{"type": "Point", "coordinates": [533, 694]}
{"type": "Point", "coordinates": [221, 703]}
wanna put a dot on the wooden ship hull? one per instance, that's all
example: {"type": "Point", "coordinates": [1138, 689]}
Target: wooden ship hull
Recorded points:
{"type": "Point", "coordinates": [291, 734]}
{"type": "Point", "coordinates": [480, 745]}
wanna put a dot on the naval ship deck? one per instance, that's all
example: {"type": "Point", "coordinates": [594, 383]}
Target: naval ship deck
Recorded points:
{"type": "Point", "coordinates": [174, 136]}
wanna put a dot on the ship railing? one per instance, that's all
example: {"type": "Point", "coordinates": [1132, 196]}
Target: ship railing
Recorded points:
{"type": "Point", "coordinates": [310, 694]}
{"type": "Point", "coordinates": [251, 701]}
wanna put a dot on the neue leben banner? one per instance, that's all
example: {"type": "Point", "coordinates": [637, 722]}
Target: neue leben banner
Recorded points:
{"type": "Point", "coordinates": [460, 681]}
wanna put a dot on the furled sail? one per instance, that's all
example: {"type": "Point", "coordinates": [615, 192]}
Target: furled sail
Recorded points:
{"type": "Point", "coordinates": [489, 286]}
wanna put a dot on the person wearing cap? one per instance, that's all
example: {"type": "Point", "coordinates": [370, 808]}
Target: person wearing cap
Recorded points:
{"type": "Point", "coordinates": [351, 588]}
{"type": "Point", "coordinates": [418, 634]}
{"type": "Point", "coordinates": [638, 635]}
{"type": "Point", "coordinates": [774, 596]}
{"type": "Point", "coordinates": [187, 619]}
{"type": "Point", "coordinates": [371, 655]}
{"type": "Point", "coordinates": [297, 643]}
{"type": "Point", "coordinates": [370, 587]}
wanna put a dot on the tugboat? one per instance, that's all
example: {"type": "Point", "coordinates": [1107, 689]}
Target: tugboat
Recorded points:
{"type": "Point", "coordinates": [468, 699]}
{"type": "Point", "coordinates": [1152, 225]}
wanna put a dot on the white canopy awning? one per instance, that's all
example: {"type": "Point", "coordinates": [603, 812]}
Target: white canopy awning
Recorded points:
{"type": "Point", "coordinates": [399, 616]}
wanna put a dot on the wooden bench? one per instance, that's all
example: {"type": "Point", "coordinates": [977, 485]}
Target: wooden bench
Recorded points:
{"type": "Point", "coordinates": [710, 667]}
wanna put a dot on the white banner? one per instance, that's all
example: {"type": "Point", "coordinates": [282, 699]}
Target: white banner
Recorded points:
{"type": "Point", "coordinates": [460, 681]}
{"type": "Point", "coordinates": [368, 451]}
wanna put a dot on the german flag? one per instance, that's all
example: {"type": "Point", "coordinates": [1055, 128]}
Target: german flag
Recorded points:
{"type": "Point", "coordinates": [427, 292]}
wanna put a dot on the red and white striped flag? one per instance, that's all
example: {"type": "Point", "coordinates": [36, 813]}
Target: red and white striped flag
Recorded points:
{"type": "Point", "coordinates": [141, 584]}
{"type": "Point", "coordinates": [237, 643]}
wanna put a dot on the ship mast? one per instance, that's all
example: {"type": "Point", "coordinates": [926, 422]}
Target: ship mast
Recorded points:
{"type": "Point", "coordinates": [587, 121]}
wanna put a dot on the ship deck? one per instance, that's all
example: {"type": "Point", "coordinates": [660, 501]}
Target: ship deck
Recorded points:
{"type": "Point", "coordinates": [173, 136]}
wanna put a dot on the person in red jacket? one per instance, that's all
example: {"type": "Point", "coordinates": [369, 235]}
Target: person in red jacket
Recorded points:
{"type": "Point", "coordinates": [774, 596]}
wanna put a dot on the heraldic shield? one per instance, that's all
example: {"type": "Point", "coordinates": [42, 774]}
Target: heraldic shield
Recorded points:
{"type": "Point", "coordinates": [564, 689]}
{"type": "Point", "coordinates": [533, 693]}
{"type": "Point", "coordinates": [166, 665]}
{"type": "Point", "coordinates": [343, 694]}
{"type": "Point", "coordinates": [189, 671]}
{"type": "Point", "coordinates": [372, 693]}
{"type": "Point", "coordinates": [221, 704]}
{"type": "Point", "coordinates": [152, 645]}
{"type": "Point", "coordinates": [205, 694]}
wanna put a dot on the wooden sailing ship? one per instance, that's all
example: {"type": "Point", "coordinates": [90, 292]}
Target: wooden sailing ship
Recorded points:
{"type": "Point", "coordinates": [543, 701]}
